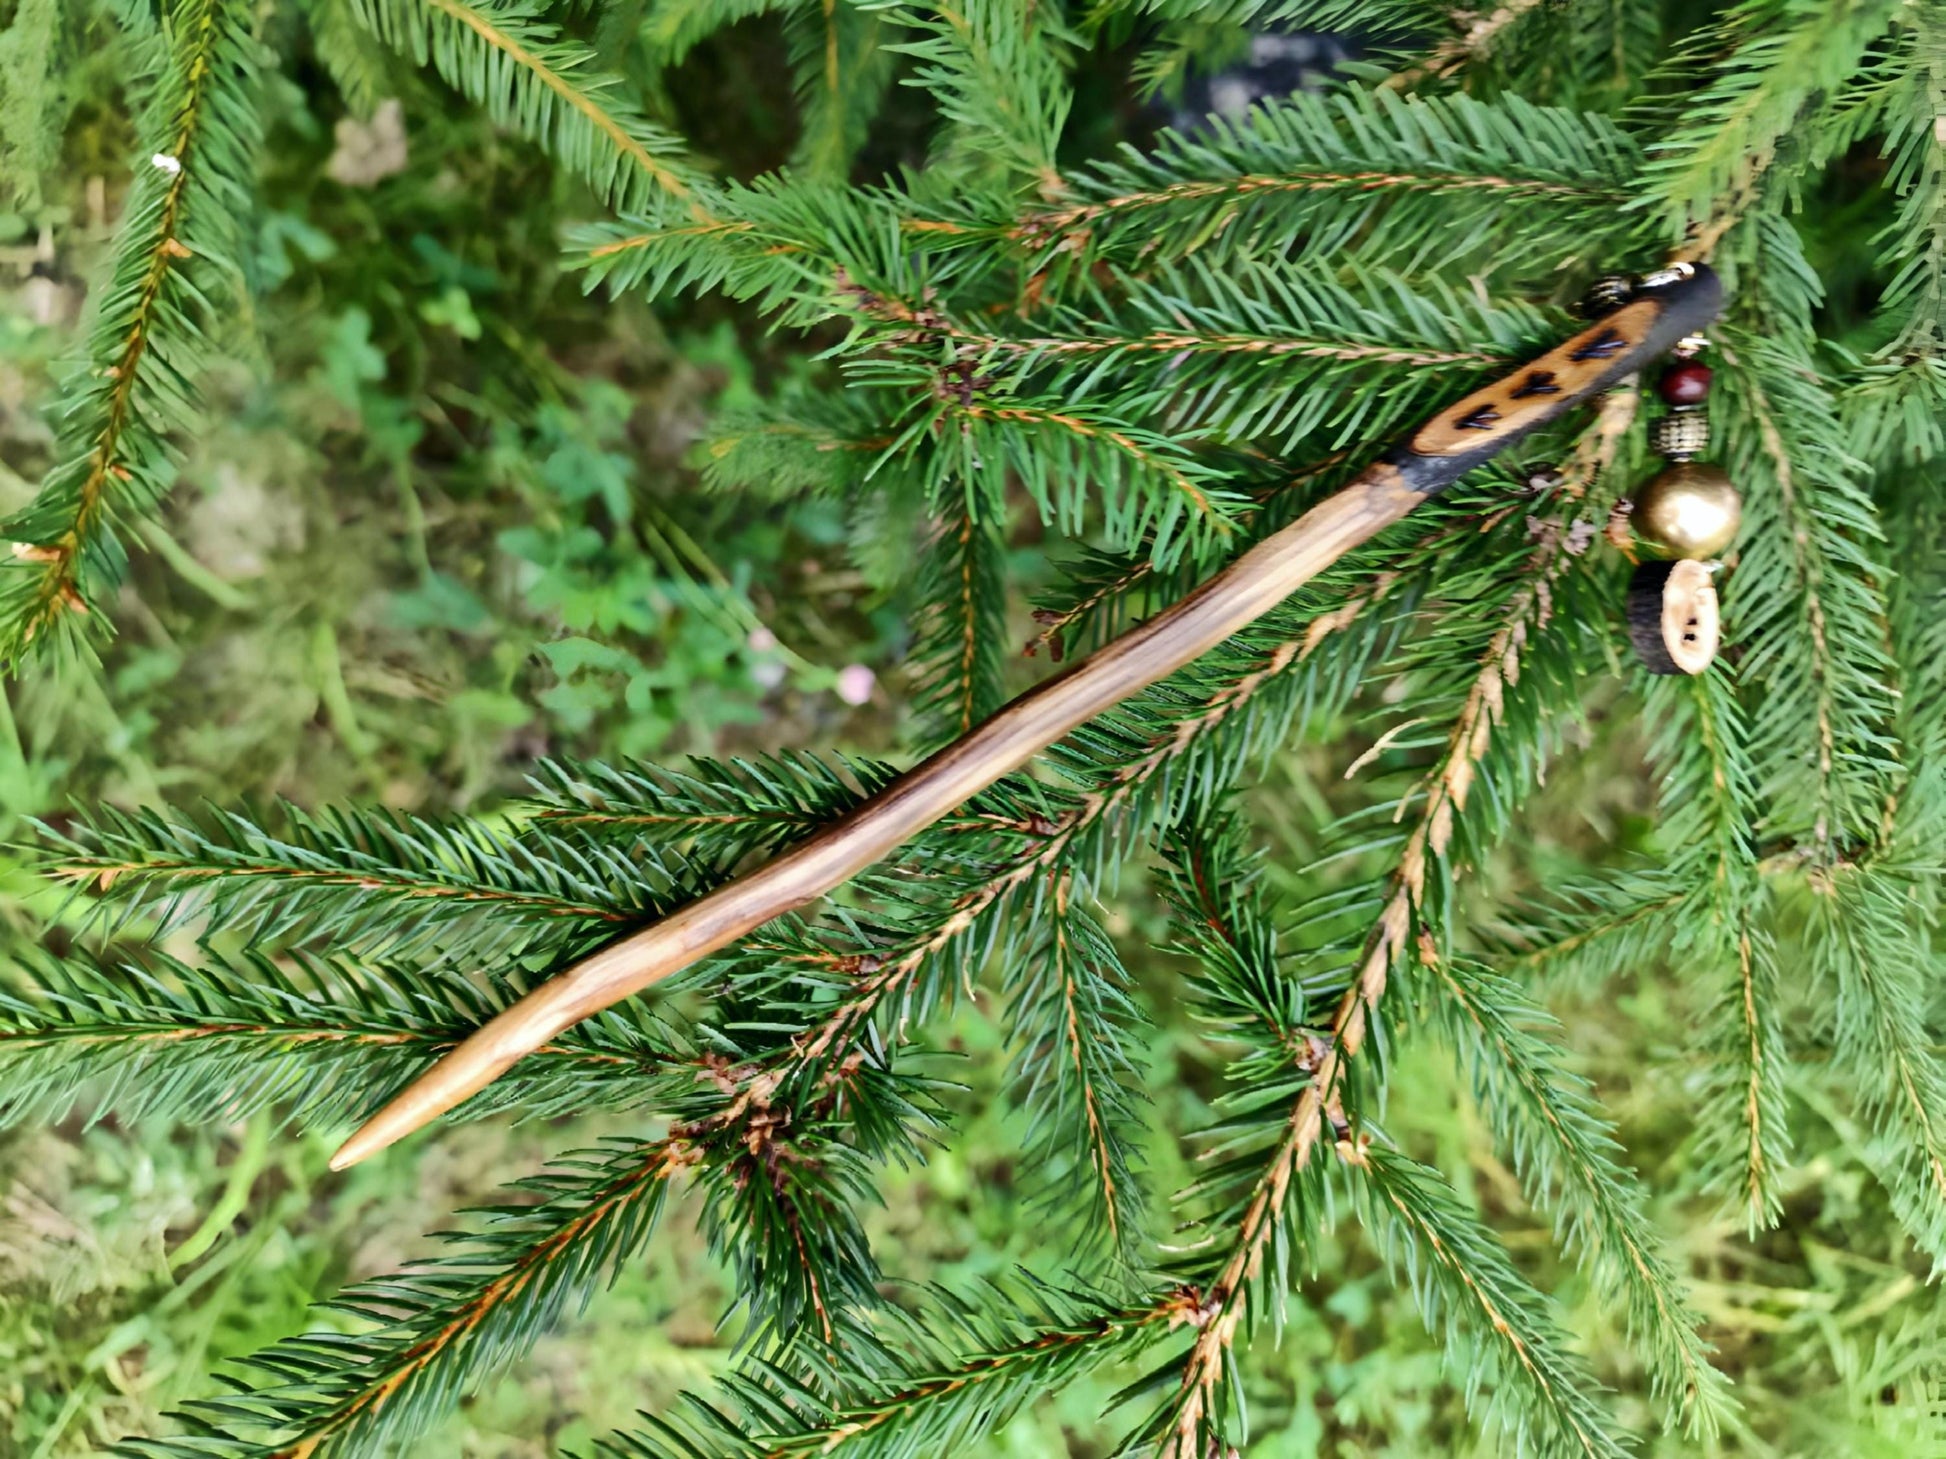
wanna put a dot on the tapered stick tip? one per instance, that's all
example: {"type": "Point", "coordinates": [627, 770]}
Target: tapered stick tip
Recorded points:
{"type": "Point", "coordinates": [608, 976]}
{"type": "Point", "coordinates": [364, 1142]}
{"type": "Point", "coordinates": [390, 1125]}
{"type": "Point", "coordinates": [482, 1057]}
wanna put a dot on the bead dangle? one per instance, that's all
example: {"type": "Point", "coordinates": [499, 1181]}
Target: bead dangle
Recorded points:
{"type": "Point", "coordinates": [1692, 509]}
{"type": "Point", "coordinates": [1685, 518]}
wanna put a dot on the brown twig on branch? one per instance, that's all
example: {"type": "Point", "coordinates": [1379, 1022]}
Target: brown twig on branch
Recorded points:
{"type": "Point", "coordinates": [1482, 29]}
{"type": "Point", "coordinates": [1463, 436]}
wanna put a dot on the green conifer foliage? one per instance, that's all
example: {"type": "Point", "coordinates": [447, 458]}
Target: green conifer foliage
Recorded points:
{"type": "Point", "coordinates": [1158, 355]}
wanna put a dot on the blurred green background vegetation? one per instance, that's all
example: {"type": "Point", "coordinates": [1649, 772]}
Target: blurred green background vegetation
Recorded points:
{"type": "Point", "coordinates": [446, 519]}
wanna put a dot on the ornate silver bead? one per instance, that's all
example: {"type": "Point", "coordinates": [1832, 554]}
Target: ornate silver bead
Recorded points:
{"type": "Point", "coordinates": [1680, 434]}
{"type": "Point", "coordinates": [1605, 295]}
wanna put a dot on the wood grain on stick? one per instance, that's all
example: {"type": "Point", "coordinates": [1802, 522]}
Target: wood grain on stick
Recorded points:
{"type": "Point", "coordinates": [1458, 438]}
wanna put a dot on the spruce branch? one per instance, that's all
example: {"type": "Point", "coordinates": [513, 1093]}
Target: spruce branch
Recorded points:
{"type": "Point", "coordinates": [442, 1327]}
{"type": "Point", "coordinates": [315, 1040]}
{"type": "Point", "coordinates": [1268, 355]}
{"type": "Point", "coordinates": [1456, 1263]}
{"type": "Point", "coordinates": [1229, 927]}
{"type": "Point", "coordinates": [173, 252]}
{"type": "Point", "coordinates": [1918, 626]}
{"type": "Point", "coordinates": [1709, 800]}
{"type": "Point", "coordinates": [1322, 1060]}
{"type": "Point", "coordinates": [979, 429]}
{"type": "Point", "coordinates": [1480, 32]}
{"type": "Point", "coordinates": [1286, 312]}
{"type": "Point", "coordinates": [843, 67]}
{"type": "Point", "coordinates": [1072, 1017]}
{"type": "Point", "coordinates": [501, 55]}
{"type": "Point", "coordinates": [1565, 1151]}
{"type": "Point", "coordinates": [30, 98]}
{"type": "Point", "coordinates": [1232, 190]}
{"type": "Point", "coordinates": [1171, 352]}
{"type": "Point", "coordinates": [1597, 936]}
{"type": "Point", "coordinates": [361, 66]}
{"type": "Point", "coordinates": [1144, 484]}
{"type": "Point", "coordinates": [1917, 246]}
{"type": "Point", "coordinates": [1860, 938]}
{"type": "Point", "coordinates": [777, 1177]}
{"type": "Point", "coordinates": [722, 810]}
{"type": "Point", "coordinates": [374, 880]}
{"type": "Point", "coordinates": [996, 71]}
{"type": "Point", "coordinates": [664, 252]}
{"type": "Point", "coordinates": [1447, 177]}
{"type": "Point", "coordinates": [1182, 342]}
{"type": "Point", "coordinates": [1102, 590]}
{"type": "Point", "coordinates": [1762, 1074]}
{"type": "Point", "coordinates": [1895, 402]}
{"type": "Point", "coordinates": [957, 663]}
{"type": "Point", "coordinates": [1607, 930]}
{"type": "Point", "coordinates": [1809, 602]}
{"type": "Point", "coordinates": [674, 28]}
{"type": "Point", "coordinates": [1226, 606]}
{"type": "Point", "coordinates": [717, 809]}
{"type": "Point", "coordinates": [1786, 60]}
{"type": "Point", "coordinates": [1329, 165]}
{"type": "Point", "coordinates": [925, 1387]}
{"type": "Point", "coordinates": [819, 445]}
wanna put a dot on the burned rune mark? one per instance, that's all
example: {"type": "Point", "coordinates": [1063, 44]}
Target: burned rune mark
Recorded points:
{"type": "Point", "coordinates": [1478, 420]}
{"type": "Point", "coordinates": [1608, 342]}
{"type": "Point", "coordinates": [1538, 382]}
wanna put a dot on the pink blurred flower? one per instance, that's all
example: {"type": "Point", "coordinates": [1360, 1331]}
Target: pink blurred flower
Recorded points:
{"type": "Point", "coordinates": [855, 683]}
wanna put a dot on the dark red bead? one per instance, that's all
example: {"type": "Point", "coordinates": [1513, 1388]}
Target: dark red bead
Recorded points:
{"type": "Point", "coordinates": [1684, 384]}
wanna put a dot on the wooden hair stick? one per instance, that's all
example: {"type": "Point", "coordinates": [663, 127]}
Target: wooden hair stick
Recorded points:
{"type": "Point", "coordinates": [1663, 308]}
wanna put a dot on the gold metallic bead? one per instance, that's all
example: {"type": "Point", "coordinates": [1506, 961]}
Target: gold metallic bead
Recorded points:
{"type": "Point", "coordinates": [1691, 510]}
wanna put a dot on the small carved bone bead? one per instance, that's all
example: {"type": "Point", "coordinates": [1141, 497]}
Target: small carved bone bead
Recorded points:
{"type": "Point", "coordinates": [1674, 622]}
{"type": "Point", "coordinates": [1685, 384]}
{"type": "Point", "coordinates": [1680, 434]}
